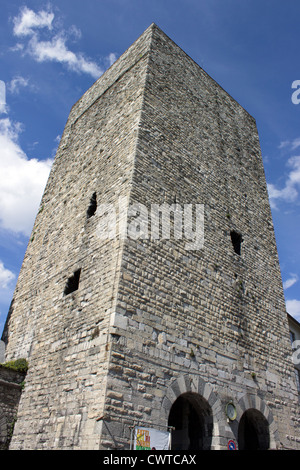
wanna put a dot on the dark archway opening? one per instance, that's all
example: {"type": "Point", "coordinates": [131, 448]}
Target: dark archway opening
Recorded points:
{"type": "Point", "coordinates": [191, 419]}
{"type": "Point", "coordinates": [253, 433]}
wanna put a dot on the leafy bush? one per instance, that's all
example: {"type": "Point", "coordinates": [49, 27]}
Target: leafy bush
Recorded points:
{"type": "Point", "coordinates": [20, 365]}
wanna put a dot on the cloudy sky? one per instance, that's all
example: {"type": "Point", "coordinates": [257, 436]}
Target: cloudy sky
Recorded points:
{"type": "Point", "coordinates": [52, 52]}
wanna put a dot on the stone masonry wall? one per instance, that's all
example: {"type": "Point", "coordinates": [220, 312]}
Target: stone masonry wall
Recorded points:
{"type": "Point", "coordinates": [151, 320]}
{"type": "Point", "coordinates": [209, 315]}
{"type": "Point", "coordinates": [66, 338]}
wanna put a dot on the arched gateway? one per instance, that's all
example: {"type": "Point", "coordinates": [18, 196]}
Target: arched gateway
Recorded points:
{"type": "Point", "coordinates": [253, 431]}
{"type": "Point", "coordinates": [192, 409]}
{"type": "Point", "coordinates": [197, 418]}
{"type": "Point", "coordinates": [191, 421]}
{"type": "Point", "coordinates": [257, 429]}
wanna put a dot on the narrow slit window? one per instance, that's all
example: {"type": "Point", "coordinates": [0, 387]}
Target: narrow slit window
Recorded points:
{"type": "Point", "coordinates": [236, 239]}
{"type": "Point", "coordinates": [93, 206]}
{"type": "Point", "coordinates": [72, 283]}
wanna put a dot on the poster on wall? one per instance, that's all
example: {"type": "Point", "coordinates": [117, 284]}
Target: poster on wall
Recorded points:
{"type": "Point", "coordinates": [150, 439]}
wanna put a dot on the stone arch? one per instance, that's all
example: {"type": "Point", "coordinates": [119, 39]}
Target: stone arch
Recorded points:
{"type": "Point", "coordinates": [253, 405]}
{"type": "Point", "coordinates": [191, 423]}
{"type": "Point", "coordinates": [253, 431]}
{"type": "Point", "coordinates": [190, 387]}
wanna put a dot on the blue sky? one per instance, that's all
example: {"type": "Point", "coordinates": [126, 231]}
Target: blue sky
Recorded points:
{"type": "Point", "coordinates": [52, 52]}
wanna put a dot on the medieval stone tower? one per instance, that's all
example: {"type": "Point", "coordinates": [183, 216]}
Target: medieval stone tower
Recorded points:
{"type": "Point", "coordinates": [150, 329]}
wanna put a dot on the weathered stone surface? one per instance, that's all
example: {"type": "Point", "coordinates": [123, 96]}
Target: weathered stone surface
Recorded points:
{"type": "Point", "coordinates": [10, 393]}
{"type": "Point", "coordinates": [151, 320]}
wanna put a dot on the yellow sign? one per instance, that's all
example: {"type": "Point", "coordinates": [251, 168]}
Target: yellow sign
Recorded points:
{"type": "Point", "coordinates": [143, 439]}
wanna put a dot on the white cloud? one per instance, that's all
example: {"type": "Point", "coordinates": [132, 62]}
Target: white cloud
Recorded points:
{"type": "Point", "coordinates": [293, 308]}
{"type": "Point", "coordinates": [291, 281]}
{"type": "Point", "coordinates": [74, 31]}
{"type": "Point", "coordinates": [57, 51]}
{"type": "Point", "coordinates": [284, 144]}
{"type": "Point", "coordinates": [289, 192]}
{"type": "Point", "coordinates": [3, 108]}
{"type": "Point", "coordinates": [112, 57]}
{"type": "Point", "coordinates": [6, 276]}
{"type": "Point", "coordinates": [18, 47]}
{"type": "Point", "coordinates": [294, 176]}
{"type": "Point", "coordinates": [28, 20]}
{"type": "Point", "coordinates": [28, 24]}
{"type": "Point", "coordinates": [17, 83]}
{"type": "Point", "coordinates": [291, 144]}
{"type": "Point", "coordinates": [295, 143]}
{"type": "Point", "coordinates": [22, 181]}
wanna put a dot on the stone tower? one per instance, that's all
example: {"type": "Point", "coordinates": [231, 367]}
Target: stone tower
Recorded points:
{"type": "Point", "coordinates": [143, 327]}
